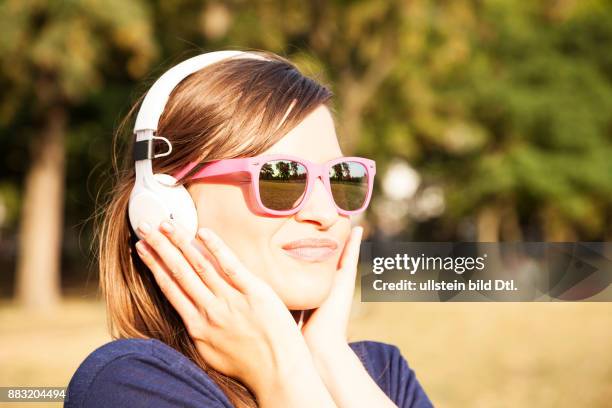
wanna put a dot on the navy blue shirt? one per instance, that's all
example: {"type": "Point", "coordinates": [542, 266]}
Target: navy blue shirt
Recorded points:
{"type": "Point", "coordinates": [150, 373]}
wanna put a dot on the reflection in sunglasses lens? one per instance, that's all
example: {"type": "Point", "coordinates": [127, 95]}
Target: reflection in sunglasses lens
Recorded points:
{"type": "Point", "coordinates": [349, 184]}
{"type": "Point", "coordinates": [282, 184]}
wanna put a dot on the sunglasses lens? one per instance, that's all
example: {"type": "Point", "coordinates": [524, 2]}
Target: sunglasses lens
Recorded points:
{"type": "Point", "coordinates": [282, 184]}
{"type": "Point", "coordinates": [349, 184]}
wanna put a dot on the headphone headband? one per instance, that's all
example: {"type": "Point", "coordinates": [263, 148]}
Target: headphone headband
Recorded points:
{"type": "Point", "coordinates": [156, 197]}
{"type": "Point", "coordinates": [156, 98]}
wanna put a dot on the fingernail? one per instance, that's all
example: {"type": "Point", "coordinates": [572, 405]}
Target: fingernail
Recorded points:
{"type": "Point", "coordinates": [140, 247]}
{"type": "Point", "coordinates": [144, 228]}
{"type": "Point", "coordinates": [204, 233]}
{"type": "Point", "coordinates": [167, 227]}
{"type": "Point", "coordinates": [359, 231]}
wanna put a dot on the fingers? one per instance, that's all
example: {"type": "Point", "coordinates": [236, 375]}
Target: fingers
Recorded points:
{"type": "Point", "coordinates": [344, 283]}
{"type": "Point", "coordinates": [338, 303]}
{"type": "Point", "coordinates": [350, 255]}
{"type": "Point", "coordinates": [202, 266]}
{"type": "Point", "coordinates": [169, 287]}
{"type": "Point", "coordinates": [240, 276]}
{"type": "Point", "coordinates": [177, 266]}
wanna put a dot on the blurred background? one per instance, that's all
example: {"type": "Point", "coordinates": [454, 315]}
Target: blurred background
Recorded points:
{"type": "Point", "coordinates": [490, 120]}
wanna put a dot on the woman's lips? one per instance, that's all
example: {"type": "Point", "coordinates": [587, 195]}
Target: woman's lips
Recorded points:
{"type": "Point", "coordinates": [311, 249]}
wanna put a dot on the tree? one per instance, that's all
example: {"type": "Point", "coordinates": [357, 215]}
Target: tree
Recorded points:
{"type": "Point", "coordinates": [54, 56]}
{"type": "Point", "coordinates": [508, 107]}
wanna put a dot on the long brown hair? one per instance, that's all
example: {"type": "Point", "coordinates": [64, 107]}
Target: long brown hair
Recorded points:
{"type": "Point", "coordinates": [232, 108]}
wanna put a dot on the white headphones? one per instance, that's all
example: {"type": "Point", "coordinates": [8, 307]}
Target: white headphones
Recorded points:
{"type": "Point", "coordinates": [155, 197]}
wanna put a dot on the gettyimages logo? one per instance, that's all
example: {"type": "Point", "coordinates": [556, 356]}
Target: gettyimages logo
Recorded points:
{"type": "Point", "coordinates": [528, 271]}
{"type": "Point", "coordinates": [413, 264]}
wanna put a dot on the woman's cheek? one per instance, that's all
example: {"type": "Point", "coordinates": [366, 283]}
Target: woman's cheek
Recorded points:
{"type": "Point", "coordinates": [220, 207]}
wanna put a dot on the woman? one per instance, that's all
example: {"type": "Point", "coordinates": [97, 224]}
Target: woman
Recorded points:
{"type": "Point", "coordinates": [254, 310]}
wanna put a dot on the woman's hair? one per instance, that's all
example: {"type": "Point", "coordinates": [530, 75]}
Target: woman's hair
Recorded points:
{"type": "Point", "coordinates": [232, 108]}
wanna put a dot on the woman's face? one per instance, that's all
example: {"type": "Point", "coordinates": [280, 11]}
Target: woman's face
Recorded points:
{"type": "Point", "coordinates": [302, 282]}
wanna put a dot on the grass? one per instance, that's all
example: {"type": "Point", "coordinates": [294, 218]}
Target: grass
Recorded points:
{"type": "Point", "coordinates": [464, 354]}
{"type": "Point", "coordinates": [286, 194]}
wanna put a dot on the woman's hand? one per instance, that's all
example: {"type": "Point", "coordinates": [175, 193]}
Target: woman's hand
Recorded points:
{"type": "Point", "coordinates": [325, 333]}
{"type": "Point", "coordinates": [238, 323]}
{"type": "Point", "coordinates": [325, 330]}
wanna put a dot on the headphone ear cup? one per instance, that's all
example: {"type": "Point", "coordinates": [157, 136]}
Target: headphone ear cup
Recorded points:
{"type": "Point", "coordinates": [163, 201]}
{"type": "Point", "coordinates": [146, 206]}
{"type": "Point", "coordinates": [181, 207]}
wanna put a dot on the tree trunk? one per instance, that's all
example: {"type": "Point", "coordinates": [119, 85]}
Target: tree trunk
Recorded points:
{"type": "Point", "coordinates": [488, 224]}
{"type": "Point", "coordinates": [40, 235]}
{"type": "Point", "coordinates": [556, 229]}
{"type": "Point", "coordinates": [510, 224]}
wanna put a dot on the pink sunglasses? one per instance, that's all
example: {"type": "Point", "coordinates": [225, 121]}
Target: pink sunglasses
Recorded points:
{"type": "Point", "coordinates": [281, 184]}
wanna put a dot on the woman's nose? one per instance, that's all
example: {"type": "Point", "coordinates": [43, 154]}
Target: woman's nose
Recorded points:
{"type": "Point", "coordinates": [319, 208]}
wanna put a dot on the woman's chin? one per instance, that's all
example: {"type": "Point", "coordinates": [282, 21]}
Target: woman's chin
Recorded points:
{"type": "Point", "coordinates": [303, 288]}
{"type": "Point", "coordinates": [301, 298]}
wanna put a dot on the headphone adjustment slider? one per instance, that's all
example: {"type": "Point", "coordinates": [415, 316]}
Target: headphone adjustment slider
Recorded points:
{"type": "Point", "coordinates": [143, 149]}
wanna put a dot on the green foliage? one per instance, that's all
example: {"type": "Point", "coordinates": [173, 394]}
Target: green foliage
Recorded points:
{"type": "Point", "coordinates": [64, 53]}
{"type": "Point", "coordinates": [495, 100]}
{"type": "Point", "coordinates": [520, 110]}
